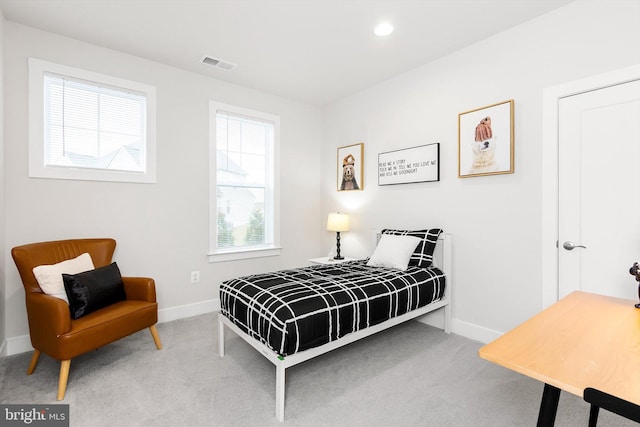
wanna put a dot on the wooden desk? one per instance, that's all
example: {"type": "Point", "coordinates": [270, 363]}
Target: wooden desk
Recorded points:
{"type": "Point", "coordinates": [584, 340]}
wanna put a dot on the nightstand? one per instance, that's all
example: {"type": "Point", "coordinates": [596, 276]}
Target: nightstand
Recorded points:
{"type": "Point", "coordinates": [327, 260]}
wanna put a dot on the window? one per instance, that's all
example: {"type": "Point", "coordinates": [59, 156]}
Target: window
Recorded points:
{"type": "Point", "coordinates": [85, 125]}
{"type": "Point", "coordinates": [243, 191]}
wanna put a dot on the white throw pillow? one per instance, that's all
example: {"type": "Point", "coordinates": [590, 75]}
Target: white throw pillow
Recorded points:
{"type": "Point", "coordinates": [49, 277]}
{"type": "Point", "coordinates": [393, 251]}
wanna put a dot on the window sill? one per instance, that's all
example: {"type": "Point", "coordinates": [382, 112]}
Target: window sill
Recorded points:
{"type": "Point", "coordinates": [244, 254]}
{"type": "Point", "coordinates": [89, 174]}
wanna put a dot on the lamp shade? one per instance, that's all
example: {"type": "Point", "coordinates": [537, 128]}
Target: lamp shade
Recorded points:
{"type": "Point", "coordinates": [338, 222]}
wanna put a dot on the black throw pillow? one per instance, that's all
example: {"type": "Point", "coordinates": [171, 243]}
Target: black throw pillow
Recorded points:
{"type": "Point", "coordinates": [423, 255]}
{"type": "Point", "coordinates": [93, 289]}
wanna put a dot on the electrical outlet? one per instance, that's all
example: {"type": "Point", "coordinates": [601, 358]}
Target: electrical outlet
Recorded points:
{"type": "Point", "coordinates": [195, 276]}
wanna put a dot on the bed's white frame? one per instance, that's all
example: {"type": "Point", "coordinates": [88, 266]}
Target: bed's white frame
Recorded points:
{"type": "Point", "coordinates": [443, 261]}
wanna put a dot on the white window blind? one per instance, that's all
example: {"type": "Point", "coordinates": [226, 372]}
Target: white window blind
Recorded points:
{"type": "Point", "coordinates": [88, 125]}
{"type": "Point", "coordinates": [243, 147]}
{"type": "Point", "coordinates": [244, 190]}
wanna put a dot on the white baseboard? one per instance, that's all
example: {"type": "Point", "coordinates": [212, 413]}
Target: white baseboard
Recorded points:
{"type": "Point", "coordinates": [459, 327]}
{"type": "Point", "coordinates": [188, 310]}
{"type": "Point", "coordinates": [16, 345]}
{"type": "Point", "coordinates": [22, 344]}
{"type": "Point", "coordinates": [435, 319]}
{"type": "Point", "coordinates": [474, 332]}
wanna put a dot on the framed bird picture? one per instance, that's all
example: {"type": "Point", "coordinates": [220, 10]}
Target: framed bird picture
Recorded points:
{"type": "Point", "coordinates": [485, 140]}
{"type": "Point", "coordinates": [350, 167]}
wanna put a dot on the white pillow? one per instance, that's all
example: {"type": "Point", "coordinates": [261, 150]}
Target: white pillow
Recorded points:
{"type": "Point", "coordinates": [393, 251]}
{"type": "Point", "coordinates": [49, 277]}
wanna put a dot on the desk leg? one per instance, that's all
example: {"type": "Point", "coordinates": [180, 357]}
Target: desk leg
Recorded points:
{"type": "Point", "coordinates": [548, 406]}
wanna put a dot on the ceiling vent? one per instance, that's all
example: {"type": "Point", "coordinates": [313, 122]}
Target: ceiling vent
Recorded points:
{"type": "Point", "coordinates": [218, 63]}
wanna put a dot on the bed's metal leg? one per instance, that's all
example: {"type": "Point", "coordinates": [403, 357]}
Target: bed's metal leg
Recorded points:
{"type": "Point", "coordinates": [280, 392]}
{"type": "Point", "coordinates": [447, 318]}
{"type": "Point", "coordinates": [220, 336]}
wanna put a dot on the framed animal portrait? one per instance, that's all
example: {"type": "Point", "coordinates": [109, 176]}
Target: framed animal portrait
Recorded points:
{"type": "Point", "coordinates": [485, 140]}
{"type": "Point", "coordinates": [351, 167]}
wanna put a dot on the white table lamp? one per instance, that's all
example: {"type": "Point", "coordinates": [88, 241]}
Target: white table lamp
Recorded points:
{"type": "Point", "coordinates": [338, 222]}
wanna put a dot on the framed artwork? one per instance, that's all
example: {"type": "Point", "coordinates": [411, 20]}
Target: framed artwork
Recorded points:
{"type": "Point", "coordinates": [351, 167]}
{"type": "Point", "coordinates": [485, 140]}
{"type": "Point", "coordinates": [410, 165]}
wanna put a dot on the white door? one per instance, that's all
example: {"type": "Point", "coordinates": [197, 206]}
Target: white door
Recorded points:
{"type": "Point", "coordinates": [599, 191]}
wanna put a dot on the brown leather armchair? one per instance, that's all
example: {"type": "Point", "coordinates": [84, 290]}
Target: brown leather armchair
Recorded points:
{"type": "Point", "coordinates": [51, 327]}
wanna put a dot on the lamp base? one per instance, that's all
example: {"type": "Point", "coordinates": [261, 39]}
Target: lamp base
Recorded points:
{"type": "Point", "coordinates": [338, 257]}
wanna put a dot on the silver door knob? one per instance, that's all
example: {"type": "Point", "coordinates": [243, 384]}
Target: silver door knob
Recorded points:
{"type": "Point", "coordinates": [571, 246]}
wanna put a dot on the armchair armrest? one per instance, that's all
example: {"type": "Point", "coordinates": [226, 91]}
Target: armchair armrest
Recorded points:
{"type": "Point", "coordinates": [140, 288]}
{"type": "Point", "coordinates": [48, 316]}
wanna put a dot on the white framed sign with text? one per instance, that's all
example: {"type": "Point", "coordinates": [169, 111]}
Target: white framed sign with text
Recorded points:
{"type": "Point", "coordinates": [417, 164]}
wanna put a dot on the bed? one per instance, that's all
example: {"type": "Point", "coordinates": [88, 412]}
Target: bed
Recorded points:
{"type": "Point", "coordinates": [291, 316]}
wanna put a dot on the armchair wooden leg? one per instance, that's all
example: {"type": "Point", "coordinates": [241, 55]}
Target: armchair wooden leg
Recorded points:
{"type": "Point", "coordinates": [64, 376]}
{"type": "Point", "coordinates": [34, 361]}
{"type": "Point", "coordinates": [156, 337]}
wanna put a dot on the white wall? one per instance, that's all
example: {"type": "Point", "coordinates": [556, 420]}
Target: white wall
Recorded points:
{"type": "Point", "coordinates": [496, 220]}
{"type": "Point", "coordinates": [161, 228]}
{"type": "Point", "coordinates": [2, 203]}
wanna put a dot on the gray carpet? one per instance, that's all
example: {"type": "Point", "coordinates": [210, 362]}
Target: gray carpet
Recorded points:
{"type": "Point", "coordinates": [410, 375]}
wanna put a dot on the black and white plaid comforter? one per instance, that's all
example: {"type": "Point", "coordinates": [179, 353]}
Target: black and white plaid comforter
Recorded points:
{"type": "Point", "coordinates": [294, 310]}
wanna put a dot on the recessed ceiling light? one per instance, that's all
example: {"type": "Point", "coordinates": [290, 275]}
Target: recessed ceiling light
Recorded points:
{"type": "Point", "coordinates": [383, 29]}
